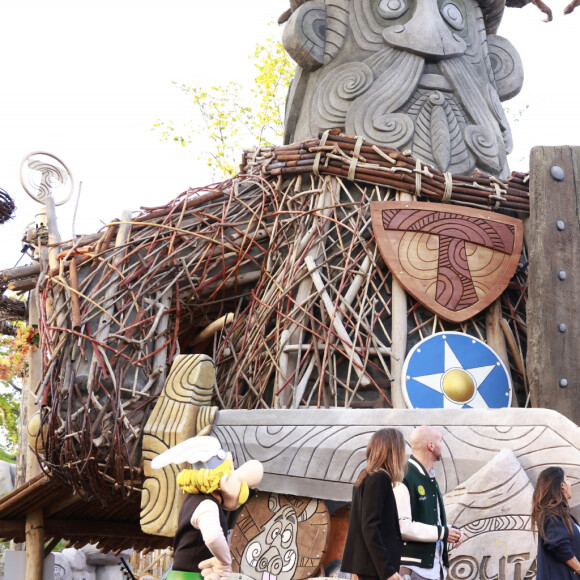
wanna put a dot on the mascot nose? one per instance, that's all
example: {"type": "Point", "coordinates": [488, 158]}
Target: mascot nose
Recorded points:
{"type": "Point", "coordinates": [270, 561]}
{"type": "Point", "coordinates": [427, 34]}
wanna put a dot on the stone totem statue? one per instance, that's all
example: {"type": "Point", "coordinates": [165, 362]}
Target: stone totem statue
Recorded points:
{"type": "Point", "coordinates": [421, 75]}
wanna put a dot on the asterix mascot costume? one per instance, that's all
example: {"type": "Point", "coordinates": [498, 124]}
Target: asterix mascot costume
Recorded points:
{"type": "Point", "coordinates": [212, 486]}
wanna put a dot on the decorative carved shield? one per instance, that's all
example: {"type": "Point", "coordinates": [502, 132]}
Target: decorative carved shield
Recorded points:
{"type": "Point", "coordinates": [280, 537]}
{"type": "Point", "coordinates": [454, 260]}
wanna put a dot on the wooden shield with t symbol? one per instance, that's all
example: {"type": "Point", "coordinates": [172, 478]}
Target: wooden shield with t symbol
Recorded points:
{"type": "Point", "coordinates": [454, 260]}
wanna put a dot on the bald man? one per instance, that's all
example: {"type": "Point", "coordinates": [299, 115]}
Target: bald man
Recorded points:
{"type": "Point", "coordinates": [421, 511]}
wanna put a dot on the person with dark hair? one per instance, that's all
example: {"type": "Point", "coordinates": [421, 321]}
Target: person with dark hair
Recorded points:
{"type": "Point", "coordinates": [373, 542]}
{"type": "Point", "coordinates": [558, 530]}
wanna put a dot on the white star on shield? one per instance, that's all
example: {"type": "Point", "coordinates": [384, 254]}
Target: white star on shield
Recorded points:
{"type": "Point", "coordinates": [451, 362]}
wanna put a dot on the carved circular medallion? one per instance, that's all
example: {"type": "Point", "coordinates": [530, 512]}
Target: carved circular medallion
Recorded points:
{"type": "Point", "coordinates": [452, 370]}
{"type": "Point", "coordinates": [43, 174]}
{"type": "Point", "coordinates": [280, 537]}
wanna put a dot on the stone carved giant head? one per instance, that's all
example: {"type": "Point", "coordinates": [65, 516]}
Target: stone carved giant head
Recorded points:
{"type": "Point", "coordinates": [424, 75]}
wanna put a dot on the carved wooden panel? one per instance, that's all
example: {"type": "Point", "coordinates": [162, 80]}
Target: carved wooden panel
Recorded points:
{"type": "Point", "coordinates": [280, 536]}
{"type": "Point", "coordinates": [455, 260]}
{"type": "Point", "coordinates": [181, 412]}
{"type": "Point", "coordinates": [553, 309]}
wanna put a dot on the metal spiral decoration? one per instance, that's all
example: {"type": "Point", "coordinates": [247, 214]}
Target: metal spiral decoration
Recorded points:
{"type": "Point", "coordinates": [7, 206]}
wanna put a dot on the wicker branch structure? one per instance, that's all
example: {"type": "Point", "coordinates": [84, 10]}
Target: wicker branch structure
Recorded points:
{"type": "Point", "coordinates": [7, 206]}
{"type": "Point", "coordinates": [275, 274]}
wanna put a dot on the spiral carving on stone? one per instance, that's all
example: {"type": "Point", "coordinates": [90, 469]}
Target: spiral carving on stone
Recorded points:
{"type": "Point", "coordinates": [394, 129]}
{"type": "Point", "coordinates": [506, 65]}
{"type": "Point", "coordinates": [303, 36]}
{"type": "Point", "coordinates": [384, 128]}
{"type": "Point", "coordinates": [464, 568]}
{"type": "Point", "coordinates": [338, 90]}
{"type": "Point", "coordinates": [482, 141]}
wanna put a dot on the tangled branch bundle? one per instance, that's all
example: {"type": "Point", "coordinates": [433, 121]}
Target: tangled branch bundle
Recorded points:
{"type": "Point", "coordinates": [358, 160]}
{"type": "Point", "coordinates": [276, 276]}
{"type": "Point", "coordinates": [7, 206]}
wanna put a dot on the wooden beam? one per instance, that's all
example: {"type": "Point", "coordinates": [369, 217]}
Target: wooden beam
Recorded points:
{"type": "Point", "coordinates": [33, 270]}
{"type": "Point", "coordinates": [29, 489]}
{"type": "Point", "coordinates": [34, 545]}
{"type": "Point", "coordinates": [399, 307]}
{"type": "Point", "coordinates": [11, 529]}
{"type": "Point", "coordinates": [90, 528]}
{"type": "Point", "coordinates": [22, 285]}
{"type": "Point", "coordinates": [30, 386]}
{"type": "Point", "coordinates": [51, 546]}
{"type": "Point", "coordinates": [73, 529]}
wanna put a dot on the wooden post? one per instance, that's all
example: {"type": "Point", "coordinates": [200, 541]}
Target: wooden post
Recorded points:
{"type": "Point", "coordinates": [53, 233]}
{"type": "Point", "coordinates": [398, 331]}
{"type": "Point", "coordinates": [34, 545]}
{"type": "Point", "coordinates": [29, 395]}
{"type": "Point", "coordinates": [553, 310]}
{"type": "Point", "coordinates": [398, 342]}
{"type": "Point", "coordinates": [495, 337]}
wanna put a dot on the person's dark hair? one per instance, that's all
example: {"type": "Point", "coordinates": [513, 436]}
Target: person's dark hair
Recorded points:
{"type": "Point", "coordinates": [386, 452]}
{"type": "Point", "coordinates": [549, 500]}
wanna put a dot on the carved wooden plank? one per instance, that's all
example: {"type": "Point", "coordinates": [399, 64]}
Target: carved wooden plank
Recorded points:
{"type": "Point", "coordinates": [180, 413]}
{"type": "Point", "coordinates": [320, 452]}
{"type": "Point", "coordinates": [455, 260]}
{"type": "Point", "coordinates": [280, 535]}
{"type": "Point", "coordinates": [554, 255]}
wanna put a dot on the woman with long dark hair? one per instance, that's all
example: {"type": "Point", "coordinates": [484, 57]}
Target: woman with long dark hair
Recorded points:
{"type": "Point", "coordinates": [373, 542]}
{"type": "Point", "coordinates": [559, 533]}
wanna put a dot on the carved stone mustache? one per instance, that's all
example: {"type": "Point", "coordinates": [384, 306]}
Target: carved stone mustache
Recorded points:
{"type": "Point", "coordinates": [366, 98]}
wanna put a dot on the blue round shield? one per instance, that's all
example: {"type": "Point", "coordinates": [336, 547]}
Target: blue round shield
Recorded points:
{"type": "Point", "coordinates": [451, 370]}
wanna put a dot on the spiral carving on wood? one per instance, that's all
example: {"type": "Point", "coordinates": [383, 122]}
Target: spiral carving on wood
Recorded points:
{"type": "Point", "coordinates": [181, 412]}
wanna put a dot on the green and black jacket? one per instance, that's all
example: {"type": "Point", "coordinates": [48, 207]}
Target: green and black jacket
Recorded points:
{"type": "Point", "coordinates": [424, 495]}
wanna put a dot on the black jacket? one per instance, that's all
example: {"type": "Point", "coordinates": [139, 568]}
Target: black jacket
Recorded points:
{"type": "Point", "coordinates": [554, 553]}
{"type": "Point", "coordinates": [373, 542]}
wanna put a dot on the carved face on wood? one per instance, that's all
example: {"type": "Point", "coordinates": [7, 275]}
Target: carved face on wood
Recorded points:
{"type": "Point", "coordinates": [280, 538]}
{"type": "Point", "coordinates": [423, 75]}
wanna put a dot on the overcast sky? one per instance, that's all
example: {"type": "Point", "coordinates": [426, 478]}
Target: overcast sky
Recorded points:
{"type": "Point", "coordinates": [86, 80]}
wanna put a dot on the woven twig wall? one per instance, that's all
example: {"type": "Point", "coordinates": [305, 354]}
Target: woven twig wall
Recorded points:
{"type": "Point", "coordinates": [279, 279]}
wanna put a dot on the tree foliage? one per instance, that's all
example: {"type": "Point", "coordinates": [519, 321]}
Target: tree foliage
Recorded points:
{"type": "Point", "coordinates": [10, 394]}
{"type": "Point", "coordinates": [14, 356]}
{"type": "Point", "coordinates": [231, 118]}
